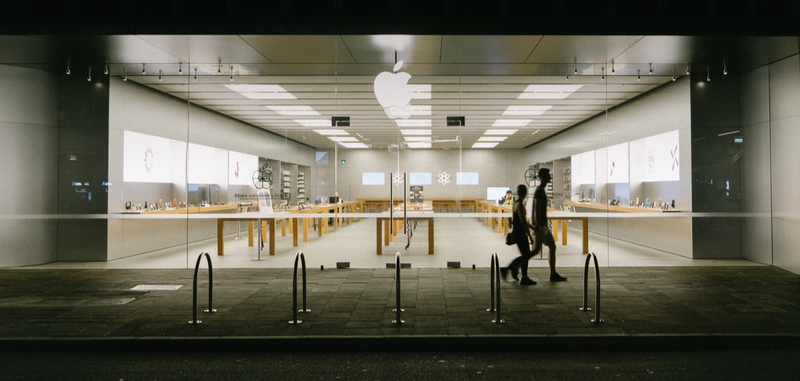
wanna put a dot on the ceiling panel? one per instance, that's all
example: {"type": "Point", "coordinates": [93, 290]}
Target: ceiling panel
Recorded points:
{"type": "Point", "coordinates": [477, 77]}
{"type": "Point", "coordinates": [487, 49]}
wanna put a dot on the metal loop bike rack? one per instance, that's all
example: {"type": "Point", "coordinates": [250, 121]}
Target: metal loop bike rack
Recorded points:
{"type": "Point", "coordinates": [194, 288]}
{"type": "Point", "coordinates": [397, 308]}
{"type": "Point", "coordinates": [302, 259]}
{"type": "Point", "coordinates": [494, 287]}
{"type": "Point", "coordinates": [597, 288]}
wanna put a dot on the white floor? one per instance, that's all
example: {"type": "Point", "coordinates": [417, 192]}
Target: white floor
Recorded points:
{"type": "Point", "coordinates": [465, 240]}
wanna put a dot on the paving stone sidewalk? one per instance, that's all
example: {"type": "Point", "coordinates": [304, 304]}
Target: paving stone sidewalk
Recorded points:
{"type": "Point", "coordinates": [743, 305]}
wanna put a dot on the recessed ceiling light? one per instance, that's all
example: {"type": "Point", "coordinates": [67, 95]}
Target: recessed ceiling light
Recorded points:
{"type": "Point", "coordinates": [500, 132]}
{"type": "Point", "coordinates": [418, 144]}
{"type": "Point", "coordinates": [413, 122]}
{"type": "Point", "coordinates": [418, 138]}
{"type": "Point", "coordinates": [354, 145]}
{"type": "Point", "coordinates": [421, 131]}
{"type": "Point", "coordinates": [314, 122]}
{"type": "Point", "coordinates": [293, 110]}
{"type": "Point", "coordinates": [342, 139]}
{"type": "Point", "coordinates": [511, 122]}
{"type": "Point", "coordinates": [492, 138]}
{"type": "Point", "coordinates": [332, 132]}
{"type": "Point", "coordinates": [261, 91]}
{"type": "Point", "coordinates": [548, 91]}
{"type": "Point", "coordinates": [484, 145]}
{"type": "Point", "coordinates": [526, 110]}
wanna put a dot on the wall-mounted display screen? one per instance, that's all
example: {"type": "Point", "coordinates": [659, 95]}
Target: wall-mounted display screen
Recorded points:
{"type": "Point", "coordinates": [146, 158]}
{"type": "Point", "coordinates": [419, 178]}
{"type": "Point", "coordinates": [661, 157]}
{"type": "Point", "coordinates": [201, 164]}
{"type": "Point", "coordinates": [373, 178]}
{"type": "Point", "coordinates": [582, 169]}
{"type": "Point", "coordinates": [618, 171]}
{"type": "Point", "coordinates": [241, 167]}
{"type": "Point", "coordinates": [467, 178]}
{"type": "Point", "coordinates": [496, 193]}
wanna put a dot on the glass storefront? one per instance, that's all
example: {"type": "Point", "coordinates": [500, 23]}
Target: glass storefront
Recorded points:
{"type": "Point", "coordinates": [354, 149]}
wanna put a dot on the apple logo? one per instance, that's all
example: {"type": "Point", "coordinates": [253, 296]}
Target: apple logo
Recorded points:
{"type": "Point", "coordinates": [393, 93]}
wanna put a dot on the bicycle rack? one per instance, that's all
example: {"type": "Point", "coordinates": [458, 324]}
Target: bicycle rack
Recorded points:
{"type": "Point", "coordinates": [302, 259]}
{"type": "Point", "coordinates": [494, 286]}
{"type": "Point", "coordinates": [597, 288]}
{"type": "Point", "coordinates": [397, 308]}
{"type": "Point", "coordinates": [194, 289]}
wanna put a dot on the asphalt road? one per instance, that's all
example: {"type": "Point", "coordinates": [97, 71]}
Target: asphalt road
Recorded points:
{"type": "Point", "coordinates": [722, 364]}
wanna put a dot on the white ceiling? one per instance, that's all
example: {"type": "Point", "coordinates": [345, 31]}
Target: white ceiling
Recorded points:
{"type": "Point", "coordinates": [477, 77]}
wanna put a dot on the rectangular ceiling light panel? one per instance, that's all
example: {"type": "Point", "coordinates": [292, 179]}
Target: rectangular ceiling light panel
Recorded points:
{"type": "Point", "coordinates": [511, 122]}
{"type": "Point", "coordinates": [548, 91]}
{"type": "Point", "coordinates": [293, 110]}
{"type": "Point", "coordinates": [526, 110]}
{"type": "Point", "coordinates": [500, 132]}
{"type": "Point", "coordinates": [332, 131]}
{"type": "Point", "coordinates": [421, 131]}
{"type": "Point", "coordinates": [261, 91]}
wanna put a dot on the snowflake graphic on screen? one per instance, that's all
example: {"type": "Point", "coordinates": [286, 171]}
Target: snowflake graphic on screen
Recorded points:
{"type": "Point", "coordinates": [397, 178]}
{"type": "Point", "coordinates": [444, 178]}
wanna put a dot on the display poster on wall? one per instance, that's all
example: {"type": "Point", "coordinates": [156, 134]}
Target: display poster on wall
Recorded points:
{"type": "Point", "coordinates": [661, 158]}
{"type": "Point", "coordinates": [582, 169]}
{"type": "Point", "coordinates": [467, 178]}
{"type": "Point", "coordinates": [201, 164]}
{"type": "Point", "coordinates": [373, 178]}
{"type": "Point", "coordinates": [146, 158]}
{"type": "Point", "coordinates": [618, 169]}
{"type": "Point", "coordinates": [416, 194]}
{"type": "Point", "coordinates": [241, 167]}
{"type": "Point", "coordinates": [419, 178]}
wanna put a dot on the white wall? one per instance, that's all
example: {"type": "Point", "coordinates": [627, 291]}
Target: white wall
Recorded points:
{"type": "Point", "coordinates": [29, 153]}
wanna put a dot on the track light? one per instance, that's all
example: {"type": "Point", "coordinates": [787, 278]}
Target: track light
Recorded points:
{"type": "Point", "coordinates": [651, 69]}
{"type": "Point", "coordinates": [613, 71]}
{"type": "Point", "coordinates": [687, 69]}
{"type": "Point", "coordinates": [708, 75]}
{"type": "Point", "coordinates": [673, 75]}
{"type": "Point", "coordinates": [180, 67]}
{"type": "Point", "coordinates": [219, 67]}
{"type": "Point", "coordinates": [89, 78]}
{"type": "Point", "coordinates": [567, 70]}
{"type": "Point", "coordinates": [602, 74]}
{"type": "Point", "coordinates": [231, 78]}
{"type": "Point", "coordinates": [105, 69]}
{"type": "Point", "coordinates": [576, 69]}
{"type": "Point", "coordinates": [638, 75]}
{"type": "Point", "coordinates": [125, 75]}
{"type": "Point", "coordinates": [68, 71]}
{"type": "Point", "coordinates": [195, 74]}
{"type": "Point", "coordinates": [724, 68]}
{"type": "Point", "coordinates": [159, 76]}
{"type": "Point", "coordinates": [144, 71]}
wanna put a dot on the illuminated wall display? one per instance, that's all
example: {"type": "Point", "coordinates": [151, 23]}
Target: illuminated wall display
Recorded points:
{"type": "Point", "coordinates": [373, 178]}
{"type": "Point", "coordinates": [146, 158]}
{"type": "Point", "coordinates": [419, 178]}
{"type": "Point", "coordinates": [241, 167]}
{"type": "Point", "coordinates": [467, 178]}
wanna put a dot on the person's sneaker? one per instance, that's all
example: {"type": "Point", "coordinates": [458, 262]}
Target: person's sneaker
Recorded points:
{"type": "Point", "coordinates": [557, 278]}
{"type": "Point", "coordinates": [527, 282]}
